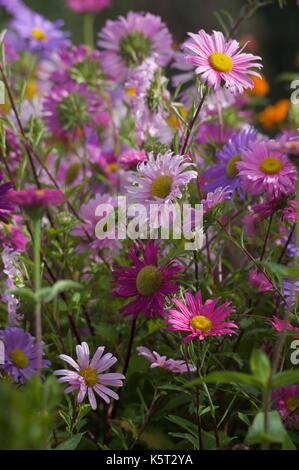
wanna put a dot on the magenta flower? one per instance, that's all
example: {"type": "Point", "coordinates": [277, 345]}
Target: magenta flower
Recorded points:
{"type": "Point", "coordinates": [163, 362]}
{"type": "Point", "coordinates": [20, 354]}
{"type": "Point", "coordinates": [219, 60]}
{"type": "Point", "coordinates": [128, 41]}
{"type": "Point", "coordinates": [37, 197]}
{"type": "Point", "coordinates": [279, 325]}
{"type": "Point", "coordinates": [88, 375]}
{"type": "Point", "coordinates": [132, 157]}
{"type": "Point", "coordinates": [286, 401]}
{"type": "Point", "coordinates": [258, 281]}
{"type": "Point", "coordinates": [88, 6]}
{"type": "Point", "coordinates": [148, 281]}
{"type": "Point", "coordinates": [267, 208]}
{"type": "Point", "coordinates": [200, 319]}
{"type": "Point", "coordinates": [264, 171]}
{"type": "Point", "coordinates": [290, 212]}
{"type": "Point", "coordinates": [6, 204]}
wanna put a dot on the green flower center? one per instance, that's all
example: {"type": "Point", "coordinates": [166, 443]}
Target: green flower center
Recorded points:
{"type": "Point", "coordinates": [271, 165]}
{"type": "Point", "coordinates": [201, 323]}
{"type": "Point", "coordinates": [231, 168]}
{"type": "Point", "coordinates": [161, 186]}
{"type": "Point", "coordinates": [89, 375]}
{"type": "Point", "coordinates": [221, 62]}
{"type": "Point", "coordinates": [149, 280]}
{"type": "Point", "coordinates": [19, 358]}
{"type": "Point", "coordinates": [154, 95]}
{"type": "Point", "coordinates": [292, 403]}
{"type": "Point", "coordinates": [72, 112]}
{"type": "Point", "coordinates": [86, 71]}
{"type": "Point", "coordinates": [134, 48]}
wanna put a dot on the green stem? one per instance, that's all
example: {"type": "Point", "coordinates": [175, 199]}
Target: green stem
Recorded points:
{"type": "Point", "coordinates": [36, 225]}
{"type": "Point", "coordinates": [88, 29]}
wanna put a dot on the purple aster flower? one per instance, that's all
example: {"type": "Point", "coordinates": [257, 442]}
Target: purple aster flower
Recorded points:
{"type": "Point", "coordinates": [290, 290]}
{"type": "Point", "coordinates": [265, 209]}
{"type": "Point", "coordinates": [286, 401]}
{"type": "Point", "coordinates": [38, 34]}
{"type": "Point", "coordinates": [263, 170]}
{"type": "Point", "coordinates": [209, 133]}
{"type": "Point", "coordinates": [148, 281]}
{"type": "Point", "coordinates": [127, 42]}
{"type": "Point", "coordinates": [10, 260]}
{"type": "Point", "coordinates": [13, 7]}
{"type": "Point", "coordinates": [37, 197]}
{"type": "Point", "coordinates": [163, 362]}
{"type": "Point", "coordinates": [225, 172]}
{"type": "Point", "coordinates": [88, 375]}
{"type": "Point", "coordinates": [69, 108]}
{"type": "Point", "coordinates": [21, 353]}
{"type": "Point", "coordinates": [6, 205]}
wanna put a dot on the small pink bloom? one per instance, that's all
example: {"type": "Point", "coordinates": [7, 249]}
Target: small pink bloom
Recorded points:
{"type": "Point", "coordinates": [163, 362]}
{"type": "Point", "coordinates": [88, 6]}
{"type": "Point", "coordinates": [258, 281]}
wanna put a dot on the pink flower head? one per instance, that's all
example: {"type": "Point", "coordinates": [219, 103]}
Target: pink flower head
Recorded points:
{"type": "Point", "coordinates": [279, 325]}
{"type": "Point", "coordinates": [200, 319]}
{"type": "Point", "coordinates": [264, 171]}
{"type": "Point", "coordinates": [128, 41]}
{"type": "Point", "coordinates": [265, 209]}
{"type": "Point", "coordinates": [290, 212]}
{"type": "Point", "coordinates": [163, 362]}
{"type": "Point", "coordinates": [148, 281]}
{"type": "Point", "coordinates": [220, 60]}
{"type": "Point", "coordinates": [88, 6]}
{"type": "Point", "coordinates": [88, 375]}
{"type": "Point", "coordinates": [37, 197]}
{"type": "Point", "coordinates": [258, 281]}
{"type": "Point", "coordinates": [132, 157]}
{"type": "Point", "coordinates": [216, 197]}
{"type": "Point", "coordinates": [286, 401]}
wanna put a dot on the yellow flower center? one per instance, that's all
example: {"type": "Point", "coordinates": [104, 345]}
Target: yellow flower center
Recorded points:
{"type": "Point", "coordinates": [112, 167]}
{"type": "Point", "coordinates": [221, 62]}
{"type": "Point", "coordinates": [202, 323]}
{"type": "Point", "coordinates": [19, 359]}
{"type": "Point", "coordinates": [31, 89]}
{"type": "Point", "coordinates": [130, 91]}
{"type": "Point", "coordinates": [231, 168]}
{"type": "Point", "coordinates": [271, 165]}
{"type": "Point", "coordinates": [149, 280]}
{"type": "Point", "coordinates": [90, 376]}
{"type": "Point", "coordinates": [292, 403]}
{"type": "Point", "coordinates": [161, 186]}
{"type": "Point", "coordinates": [38, 34]}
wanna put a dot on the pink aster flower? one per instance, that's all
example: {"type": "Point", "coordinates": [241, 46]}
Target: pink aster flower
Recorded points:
{"type": "Point", "coordinates": [216, 197]}
{"type": "Point", "coordinates": [163, 362]}
{"type": "Point", "coordinates": [286, 401]}
{"type": "Point", "coordinates": [132, 157]}
{"type": "Point", "coordinates": [88, 375]}
{"type": "Point", "coordinates": [37, 197]}
{"type": "Point", "coordinates": [88, 6]}
{"type": "Point", "coordinates": [265, 209]}
{"type": "Point", "coordinates": [220, 60]}
{"type": "Point", "coordinates": [128, 41]}
{"type": "Point", "coordinates": [200, 319]}
{"type": "Point", "coordinates": [264, 171]}
{"type": "Point", "coordinates": [148, 281]}
{"type": "Point", "coordinates": [290, 212]}
{"type": "Point", "coordinates": [279, 325]}
{"type": "Point", "coordinates": [258, 281]}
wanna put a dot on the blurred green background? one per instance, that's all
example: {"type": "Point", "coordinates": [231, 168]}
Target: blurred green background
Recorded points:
{"type": "Point", "coordinates": [275, 30]}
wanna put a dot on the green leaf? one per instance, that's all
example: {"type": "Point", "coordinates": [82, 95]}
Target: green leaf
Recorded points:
{"type": "Point", "coordinates": [24, 293]}
{"type": "Point", "coordinates": [260, 366]}
{"type": "Point", "coordinates": [71, 443]}
{"type": "Point", "coordinates": [48, 294]}
{"type": "Point", "coordinates": [228, 377]}
{"type": "Point", "coordinates": [276, 432]}
{"type": "Point", "coordinates": [283, 379]}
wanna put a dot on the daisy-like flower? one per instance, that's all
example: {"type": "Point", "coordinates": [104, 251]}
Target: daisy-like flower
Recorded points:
{"type": "Point", "coordinates": [148, 281]}
{"type": "Point", "coordinates": [258, 281]}
{"type": "Point", "coordinates": [219, 60]}
{"type": "Point", "coordinates": [201, 319]}
{"type": "Point", "coordinates": [280, 325]}
{"type": "Point", "coordinates": [127, 42]}
{"type": "Point", "coordinates": [286, 401]}
{"type": "Point", "coordinates": [38, 34]}
{"type": "Point", "coordinates": [13, 7]}
{"type": "Point", "coordinates": [69, 108]}
{"type": "Point", "coordinates": [159, 181]}
{"type": "Point", "coordinates": [156, 360]}
{"type": "Point", "coordinates": [216, 197]}
{"type": "Point", "coordinates": [88, 6]}
{"type": "Point", "coordinates": [88, 375]}
{"type": "Point", "coordinates": [225, 172]}
{"type": "Point", "coordinates": [37, 197]}
{"type": "Point", "coordinates": [264, 171]}
{"type": "Point", "coordinates": [20, 354]}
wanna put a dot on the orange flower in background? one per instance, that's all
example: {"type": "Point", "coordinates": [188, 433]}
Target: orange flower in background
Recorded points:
{"type": "Point", "coordinates": [273, 115]}
{"type": "Point", "coordinates": [261, 87]}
